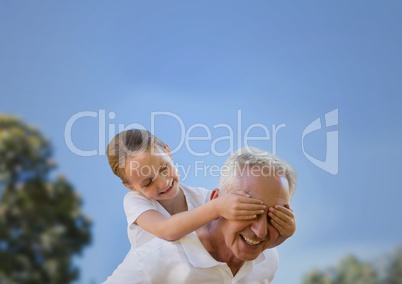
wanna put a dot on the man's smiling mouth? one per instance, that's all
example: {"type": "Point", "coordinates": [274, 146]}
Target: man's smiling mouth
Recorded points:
{"type": "Point", "coordinates": [250, 242]}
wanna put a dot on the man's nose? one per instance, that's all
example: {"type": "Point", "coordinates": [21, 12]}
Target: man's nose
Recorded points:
{"type": "Point", "coordinates": [259, 226]}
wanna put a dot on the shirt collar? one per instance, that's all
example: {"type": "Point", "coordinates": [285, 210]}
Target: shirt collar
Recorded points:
{"type": "Point", "coordinates": [200, 257]}
{"type": "Point", "coordinates": [196, 252]}
{"type": "Point", "coordinates": [259, 259]}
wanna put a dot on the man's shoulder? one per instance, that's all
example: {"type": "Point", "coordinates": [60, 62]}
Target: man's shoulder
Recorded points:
{"type": "Point", "coordinates": [188, 249]}
{"type": "Point", "coordinates": [156, 248]}
{"type": "Point", "coordinates": [148, 263]}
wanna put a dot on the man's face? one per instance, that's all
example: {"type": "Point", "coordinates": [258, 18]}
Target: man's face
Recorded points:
{"type": "Point", "coordinates": [247, 239]}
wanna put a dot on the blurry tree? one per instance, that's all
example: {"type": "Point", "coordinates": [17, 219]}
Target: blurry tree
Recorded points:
{"type": "Point", "coordinates": [394, 271]}
{"type": "Point", "coordinates": [41, 223]}
{"type": "Point", "coordinates": [350, 270]}
{"type": "Point", "coordinates": [317, 277]}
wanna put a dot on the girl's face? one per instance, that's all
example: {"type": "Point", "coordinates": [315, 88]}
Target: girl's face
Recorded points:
{"type": "Point", "coordinates": [153, 174]}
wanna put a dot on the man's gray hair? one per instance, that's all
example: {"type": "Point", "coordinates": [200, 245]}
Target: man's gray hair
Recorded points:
{"type": "Point", "coordinates": [255, 161]}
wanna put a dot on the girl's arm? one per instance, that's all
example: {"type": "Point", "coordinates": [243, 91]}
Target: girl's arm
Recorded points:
{"type": "Point", "coordinates": [283, 219]}
{"type": "Point", "coordinates": [236, 206]}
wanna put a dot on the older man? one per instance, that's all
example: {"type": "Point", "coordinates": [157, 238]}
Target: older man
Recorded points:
{"type": "Point", "coordinates": [223, 251]}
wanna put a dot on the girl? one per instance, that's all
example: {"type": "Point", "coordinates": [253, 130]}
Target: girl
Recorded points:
{"type": "Point", "coordinates": [159, 205]}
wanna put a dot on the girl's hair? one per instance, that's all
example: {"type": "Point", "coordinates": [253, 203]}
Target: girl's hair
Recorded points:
{"type": "Point", "coordinates": [259, 162]}
{"type": "Point", "coordinates": [132, 142]}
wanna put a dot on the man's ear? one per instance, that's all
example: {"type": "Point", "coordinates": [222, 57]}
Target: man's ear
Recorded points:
{"type": "Point", "coordinates": [214, 194]}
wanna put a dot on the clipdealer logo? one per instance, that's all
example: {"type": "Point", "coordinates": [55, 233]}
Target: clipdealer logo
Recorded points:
{"type": "Point", "coordinates": [239, 135]}
{"type": "Point", "coordinates": [330, 164]}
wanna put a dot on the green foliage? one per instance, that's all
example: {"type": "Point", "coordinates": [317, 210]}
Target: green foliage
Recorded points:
{"type": "Point", "coordinates": [351, 270]}
{"type": "Point", "coordinates": [394, 275]}
{"type": "Point", "coordinates": [317, 277]}
{"type": "Point", "coordinates": [23, 151]}
{"type": "Point", "coordinates": [41, 223]}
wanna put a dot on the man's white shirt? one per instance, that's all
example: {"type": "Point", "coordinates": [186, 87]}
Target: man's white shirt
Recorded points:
{"type": "Point", "coordinates": [187, 261]}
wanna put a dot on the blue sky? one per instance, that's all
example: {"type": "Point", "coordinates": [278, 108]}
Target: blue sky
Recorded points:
{"type": "Point", "coordinates": [204, 62]}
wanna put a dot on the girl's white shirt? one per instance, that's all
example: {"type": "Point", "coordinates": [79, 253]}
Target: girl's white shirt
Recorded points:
{"type": "Point", "coordinates": [135, 204]}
